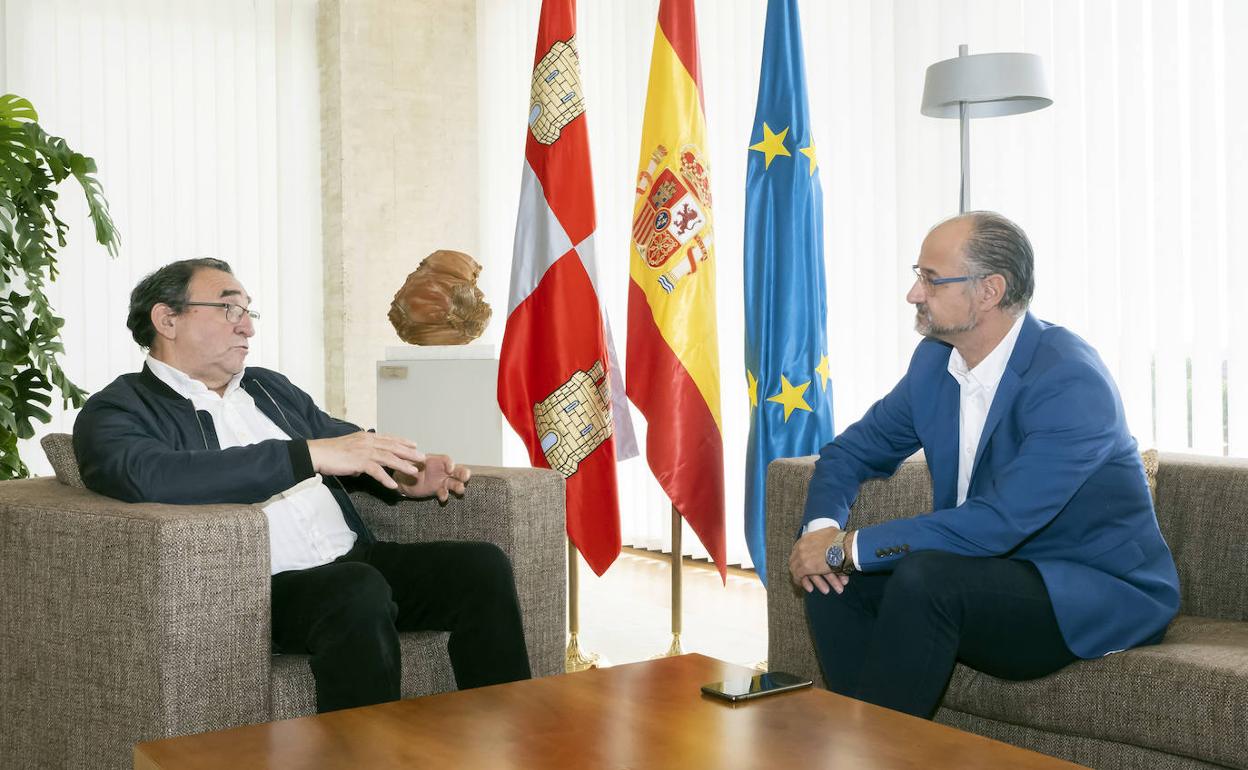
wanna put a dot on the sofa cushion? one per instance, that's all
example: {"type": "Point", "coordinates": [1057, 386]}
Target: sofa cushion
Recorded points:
{"type": "Point", "coordinates": [426, 671]}
{"type": "Point", "coordinates": [1202, 508]}
{"type": "Point", "coordinates": [1184, 696]}
{"type": "Point", "coordinates": [59, 448]}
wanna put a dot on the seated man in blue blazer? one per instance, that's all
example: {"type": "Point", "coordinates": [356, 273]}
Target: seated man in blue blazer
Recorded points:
{"type": "Point", "coordinates": [1043, 547]}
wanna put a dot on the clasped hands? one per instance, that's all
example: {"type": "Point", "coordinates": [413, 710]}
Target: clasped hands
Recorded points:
{"type": "Point", "coordinates": [416, 474]}
{"type": "Point", "coordinates": [808, 561]}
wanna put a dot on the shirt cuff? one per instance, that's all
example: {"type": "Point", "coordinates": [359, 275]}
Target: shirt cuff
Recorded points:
{"type": "Point", "coordinates": [814, 525]}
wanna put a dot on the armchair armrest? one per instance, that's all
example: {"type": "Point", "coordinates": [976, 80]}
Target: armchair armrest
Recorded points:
{"type": "Point", "coordinates": [522, 511]}
{"type": "Point", "coordinates": [126, 622]}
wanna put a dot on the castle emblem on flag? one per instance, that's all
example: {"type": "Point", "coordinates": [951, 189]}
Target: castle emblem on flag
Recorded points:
{"type": "Point", "coordinates": [672, 221]}
{"type": "Point", "coordinates": [557, 98]}
{"type": "Point", "coordinates": [574, 420]}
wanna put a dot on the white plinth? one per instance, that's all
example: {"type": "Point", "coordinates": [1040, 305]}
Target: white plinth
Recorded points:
{"type": "Point", "coordinates": [445, 399]}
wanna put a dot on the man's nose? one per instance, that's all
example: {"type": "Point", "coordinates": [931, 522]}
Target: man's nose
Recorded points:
{"type": "Point", "coordinates": [246, 326]}
{"type": "Point", "coordinates": [916, 295]}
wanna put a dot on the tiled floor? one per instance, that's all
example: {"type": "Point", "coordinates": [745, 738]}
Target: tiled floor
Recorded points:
{"type": "Point", "coordinates": [626, 614]}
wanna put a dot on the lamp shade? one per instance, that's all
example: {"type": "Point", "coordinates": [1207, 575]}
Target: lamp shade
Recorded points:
{"type": "Point", "coordinates": [992, 84]}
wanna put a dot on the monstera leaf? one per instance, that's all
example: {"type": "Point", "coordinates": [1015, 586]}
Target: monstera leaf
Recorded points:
{"type": "Point", "coordinates": [32, 164]}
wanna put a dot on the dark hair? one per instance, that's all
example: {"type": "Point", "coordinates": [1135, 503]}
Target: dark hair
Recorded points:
{"type": "Point", "coordinates": [998, 246]}
{"type": "Point", "coordinates": [167, 285]}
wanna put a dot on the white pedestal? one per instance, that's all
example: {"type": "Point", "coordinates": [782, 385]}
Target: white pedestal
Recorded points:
{"type": "Point", "coordinates": [445, 399]}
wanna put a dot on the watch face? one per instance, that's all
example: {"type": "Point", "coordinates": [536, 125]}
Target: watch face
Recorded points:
{"type": "Point", "coordinates": [836, 556]}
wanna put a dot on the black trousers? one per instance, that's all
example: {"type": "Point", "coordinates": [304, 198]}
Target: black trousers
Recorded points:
{"type": "Point", "coordinates": [348, 614]}
{"type": "Point", "coordinates": [892, 638]}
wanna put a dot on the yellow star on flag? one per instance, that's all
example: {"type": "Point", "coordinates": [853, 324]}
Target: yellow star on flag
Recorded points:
{"type": "Point", "coordinates": [752, 387]}
{"type": "Point", "coordinates": [809, 152]}
{"type": "Point", "coordinates": [772, 144]}
{"type": "Point", "coordinates": [790, 397]}
{"type": "Point", "coordinates": [822, 369]}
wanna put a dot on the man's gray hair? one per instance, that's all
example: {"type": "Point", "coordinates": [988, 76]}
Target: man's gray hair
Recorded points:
{"type": "Point", "coordinates": [997, 246]}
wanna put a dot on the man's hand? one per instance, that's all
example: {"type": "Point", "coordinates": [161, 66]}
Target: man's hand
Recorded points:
{"type": "Point", "coordinates": [365, 452]}
{"type": "Point", "coordinates": [808, 562]}
{"type": "Point", "coordinates": [437, 475]}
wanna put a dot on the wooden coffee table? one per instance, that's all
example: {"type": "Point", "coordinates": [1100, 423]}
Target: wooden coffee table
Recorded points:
{"type": "Point", "coordinates": [641, 715]}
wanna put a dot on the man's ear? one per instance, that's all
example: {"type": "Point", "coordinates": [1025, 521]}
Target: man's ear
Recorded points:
{"type": "Point", "coordinates": [992, 290]}
{"type": "Point", "coordinates": [164, 321]}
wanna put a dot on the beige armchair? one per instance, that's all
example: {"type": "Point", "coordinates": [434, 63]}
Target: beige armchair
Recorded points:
{"type": "Point", "coordinates": [121, 623]}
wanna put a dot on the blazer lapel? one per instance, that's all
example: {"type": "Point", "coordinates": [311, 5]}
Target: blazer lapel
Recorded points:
{"type": "Point", "coordinates": [942, 453]}
{"type": "Point", "coordinates": [1007, 389]}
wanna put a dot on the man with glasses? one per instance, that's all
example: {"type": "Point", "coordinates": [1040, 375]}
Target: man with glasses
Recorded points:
{"type": "Point", "coordinates": [196, 426]}
{"type": "Point", "coordinates": [1043, 545]}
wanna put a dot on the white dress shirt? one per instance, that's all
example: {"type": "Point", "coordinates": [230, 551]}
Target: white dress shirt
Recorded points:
{"type": "Point", "coordinates": [306, 525]}
{"type": "Point", "coordinates": [978, 388]}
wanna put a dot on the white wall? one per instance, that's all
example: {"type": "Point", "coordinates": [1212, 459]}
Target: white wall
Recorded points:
{"type": "Point", "coordinates": [204, 121]}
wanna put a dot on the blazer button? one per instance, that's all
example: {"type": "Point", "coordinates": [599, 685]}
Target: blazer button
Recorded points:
{"type": "Point", "coordinates": [879, 553]}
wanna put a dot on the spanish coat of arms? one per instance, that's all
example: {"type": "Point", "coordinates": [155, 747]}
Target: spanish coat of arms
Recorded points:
{"type": "Point", "coordinates": [672, 230]}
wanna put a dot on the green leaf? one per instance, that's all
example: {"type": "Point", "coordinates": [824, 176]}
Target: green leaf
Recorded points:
{"type": "Point", "coordinates": [32, 163]}
{"type": "Point", "coordinates": [14, 108]}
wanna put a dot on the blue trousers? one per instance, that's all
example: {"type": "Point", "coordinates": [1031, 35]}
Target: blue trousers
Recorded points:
{"type": "Point", "coordinates": [892, 639]}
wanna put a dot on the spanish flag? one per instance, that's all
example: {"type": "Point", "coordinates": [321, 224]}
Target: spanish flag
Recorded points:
{"type": "Point", "coordinates": [673, 350]}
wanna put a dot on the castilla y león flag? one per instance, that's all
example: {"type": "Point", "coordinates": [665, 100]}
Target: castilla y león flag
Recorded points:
{"type": "Point", "coordinates": [558, 382]}
{"type": "Point", "coordinates": [673, 348]}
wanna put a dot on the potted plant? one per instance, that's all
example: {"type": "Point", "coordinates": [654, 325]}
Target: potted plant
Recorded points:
{"type": "Point", "coordinates": [32, 164]}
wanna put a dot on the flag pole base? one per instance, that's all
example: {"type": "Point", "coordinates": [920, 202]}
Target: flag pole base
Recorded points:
{"type": "Point", "coordinates": [575, 660]}
{"type": "Point", "coordinates": [673, 650]}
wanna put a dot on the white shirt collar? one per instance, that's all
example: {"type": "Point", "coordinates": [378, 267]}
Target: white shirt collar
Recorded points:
{"type": "Point", "coordinates": [185, 385]}
{"type": "Point", "coordinates": [987, 374]}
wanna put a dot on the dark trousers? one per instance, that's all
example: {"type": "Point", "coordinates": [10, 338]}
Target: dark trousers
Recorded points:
{"type": "Point", "coordinates": [892, 638]}
{"type": "Point", "coordinates": [348, 614]}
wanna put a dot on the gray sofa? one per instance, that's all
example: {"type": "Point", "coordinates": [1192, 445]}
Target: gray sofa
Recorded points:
{"type": "Point", "coordinates": [122, 623]}
{"type": "Point", "coordinates": [1180, 704]}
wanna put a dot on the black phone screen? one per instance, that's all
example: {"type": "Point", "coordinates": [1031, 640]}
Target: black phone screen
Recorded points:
{"type": "Point", "coordinates": [756, 686]}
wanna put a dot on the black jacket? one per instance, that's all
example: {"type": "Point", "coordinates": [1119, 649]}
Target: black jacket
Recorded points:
{"type": "Point", "coordinates": [138, 440]}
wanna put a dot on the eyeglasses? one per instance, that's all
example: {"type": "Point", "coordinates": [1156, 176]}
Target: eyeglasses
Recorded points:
{"type": "Point", "coordinates": [233, 313]}
{"type": "Point", "coordinates": [931, 283]}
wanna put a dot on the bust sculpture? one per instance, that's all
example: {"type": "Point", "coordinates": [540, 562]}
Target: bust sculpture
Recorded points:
{"type": "Point", "coordinates": [439, 303]}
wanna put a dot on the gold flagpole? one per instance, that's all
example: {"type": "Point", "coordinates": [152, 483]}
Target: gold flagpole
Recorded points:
{"type": "Point", "coordinates": [677, 562]}
{"type": "Point", "coordinates": [575, 660]}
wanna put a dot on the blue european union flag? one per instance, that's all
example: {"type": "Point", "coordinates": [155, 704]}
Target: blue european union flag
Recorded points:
{"type": "Point", "coordinates": [786, 345]}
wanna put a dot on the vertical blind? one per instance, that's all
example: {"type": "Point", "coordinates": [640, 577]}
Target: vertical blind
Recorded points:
{"type": "Point", "coordinates": [1126, 186]}
{"type": "Point", "coordinates": [204, 120]}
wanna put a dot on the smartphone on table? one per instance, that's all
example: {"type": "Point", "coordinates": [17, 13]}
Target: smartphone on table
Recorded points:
{"type": "Point", "coordinates": [747, 687]}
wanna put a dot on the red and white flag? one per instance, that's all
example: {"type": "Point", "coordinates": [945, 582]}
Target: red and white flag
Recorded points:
{"type": "Point", "coordinates": [558, 382]}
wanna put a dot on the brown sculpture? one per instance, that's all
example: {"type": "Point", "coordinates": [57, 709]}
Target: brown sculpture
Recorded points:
{"type": "Point", "coordinates": [439, 303]}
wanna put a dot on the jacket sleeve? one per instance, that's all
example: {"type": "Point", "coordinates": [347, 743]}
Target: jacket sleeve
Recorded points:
{"type": "Point", "coordinates": [1068, 420]}
{"type": "Point", "coordinates": [871, 448]}
{"type": "Point", "coordinates": [324, 425]}
{"type": "Point", "coordinates": [121, 455]}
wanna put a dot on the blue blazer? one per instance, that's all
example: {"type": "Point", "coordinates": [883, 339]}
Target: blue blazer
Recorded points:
{"type": "Point", "coordinates": [1057, 480]}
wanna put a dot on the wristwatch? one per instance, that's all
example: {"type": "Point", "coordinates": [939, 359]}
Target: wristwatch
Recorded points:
{"type": "Point", "coordinates": [838, 557]}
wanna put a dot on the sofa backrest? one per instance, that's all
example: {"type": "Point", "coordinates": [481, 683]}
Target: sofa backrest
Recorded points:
{"type": "Point", "coordinates": [1202, 508]}
{"type": "Point", "coordinates": [59, 448]}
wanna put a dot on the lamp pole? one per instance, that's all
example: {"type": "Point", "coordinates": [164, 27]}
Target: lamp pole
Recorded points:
{"type": "Point", "coordinates": [964, 195]}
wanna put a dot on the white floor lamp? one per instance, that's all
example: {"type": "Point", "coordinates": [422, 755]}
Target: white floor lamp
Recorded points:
{"type": "Point", "coordinates": [985, 85]}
